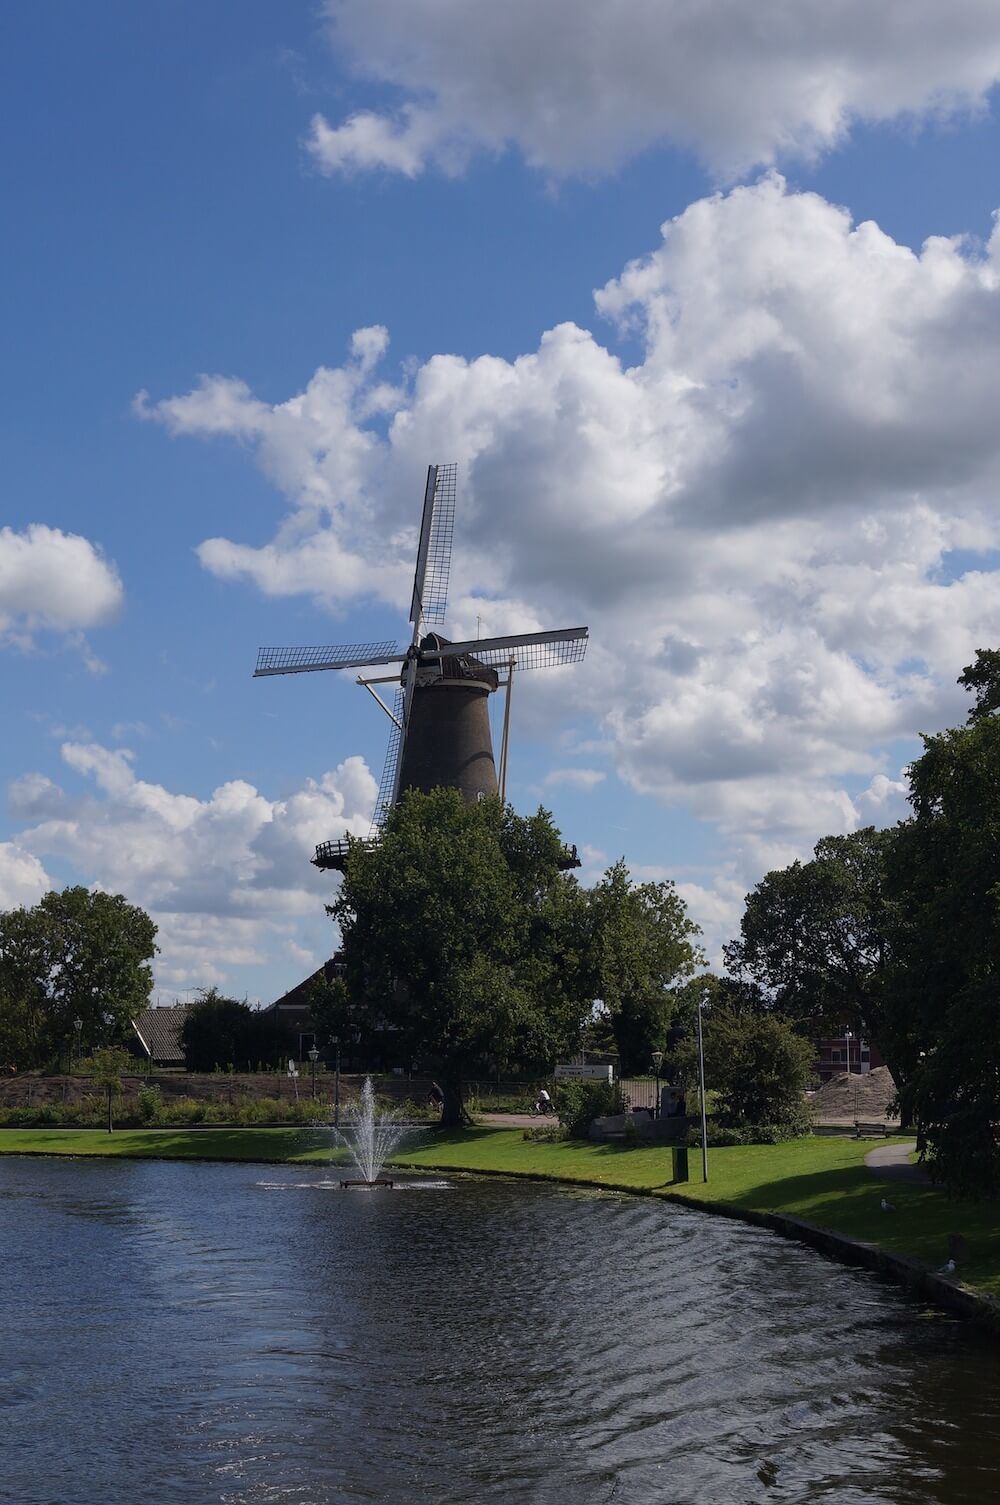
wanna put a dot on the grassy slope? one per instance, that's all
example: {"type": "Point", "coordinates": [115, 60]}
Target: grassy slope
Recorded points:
{"type": "Point", "coordinates": [822, 1180]}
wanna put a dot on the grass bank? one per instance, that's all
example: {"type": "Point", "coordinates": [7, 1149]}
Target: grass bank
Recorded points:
{"type": "Point", "coordinates": [821, 1180]}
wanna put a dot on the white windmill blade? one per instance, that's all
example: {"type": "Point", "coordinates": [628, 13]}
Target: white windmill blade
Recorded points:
{"type": "Point", "coordinates": [344, 656]}
{"type": "Point", "coordinates": [437, 524]}
{"type": "Point", "coordinates": [529, 650]}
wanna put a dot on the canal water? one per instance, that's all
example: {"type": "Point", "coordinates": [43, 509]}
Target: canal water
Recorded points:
{"type": "Point", "coordinates": [246, 1334]}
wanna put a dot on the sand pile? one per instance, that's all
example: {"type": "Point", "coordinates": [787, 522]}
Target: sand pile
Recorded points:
{"type": "Point", "coordinates": [845, 1098]}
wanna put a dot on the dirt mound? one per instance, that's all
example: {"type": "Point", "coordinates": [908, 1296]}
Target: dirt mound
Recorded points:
{"type": "Point", "coordinates": [843, 1099]}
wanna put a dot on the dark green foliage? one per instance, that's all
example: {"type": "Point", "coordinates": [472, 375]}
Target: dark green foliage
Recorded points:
{"type": "Point", "coordinates": [74, 955]}
{"type": "Point", "coordinates": [223, 1032]}
{"type": "Point", "coordinates": [815, 939]}
{"type": "Point", "coordinates": [758, 1069]}
{"type": "Point", "coordinates": [982, 678]}
{"type": "Point", "coordinates": [946, 970]}
{"type": "Point", "coordinates": [641, 947]}
{"type": "Point", "coordinates": [577, 1104]}
{"type": "Point", "coordinates": [465, 946]}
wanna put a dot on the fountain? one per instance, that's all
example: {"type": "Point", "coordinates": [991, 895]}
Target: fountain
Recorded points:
{"type": "Point", "coordinates": [373, 1135]}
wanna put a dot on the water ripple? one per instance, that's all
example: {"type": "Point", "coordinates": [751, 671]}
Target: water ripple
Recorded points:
{"type": "Point", "coordinates": [181, 1333]}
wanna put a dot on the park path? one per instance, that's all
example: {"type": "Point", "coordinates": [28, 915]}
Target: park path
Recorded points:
{"type": "Point", "coordinates": [891, 1162]}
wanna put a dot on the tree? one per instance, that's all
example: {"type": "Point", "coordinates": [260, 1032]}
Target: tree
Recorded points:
{"type": "Point", "coordinates": [462, 939]}
{"type": "Point", "coordinates": [77, 955]}
{"type": "Point", "coordinates": [816, 938]}
{"type": "Point", "coordinates": [757, 1067]}
{"type": "Point", "coordinates": [945, 873]}
{"type": "Point", "coordinates": [106, 1066]}
{"type": "Point", "coordinates": [641, 947]}
{"type": "Point", "coordinates": [21, 1027]}
{"type": "Point", "coordinates": [225, 1032]}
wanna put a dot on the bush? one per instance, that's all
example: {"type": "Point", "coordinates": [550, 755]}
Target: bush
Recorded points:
{"type": "Point", "coordinates": [579, 1103]}
{"type": "Point", "coordinates": [149, 1104]}
{"type": "Point", "coordinates": [721, 1135]}
{"type": "Point", "coordinates": [547, 1132]}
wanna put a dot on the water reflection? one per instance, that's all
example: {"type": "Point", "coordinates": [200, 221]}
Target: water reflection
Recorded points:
{"type": "Point", "coordinates": [240, 1334]}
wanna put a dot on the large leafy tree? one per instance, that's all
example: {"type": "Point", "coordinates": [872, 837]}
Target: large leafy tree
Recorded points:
{"type": "Point", "coordinates": [462, 939]}
{"type": "Point", "coordinates": [816, 938]}
{"type": "Point", "coordinates": [642, 946]}
{"type": "Point", "coordinates": [76, 955]}
{"type": "Point", "coordinates": [225, 1032]}
{"type": "Point", "coordinates": [757, 1066]}
{"type": "Point", "coordinates": [945, 871]}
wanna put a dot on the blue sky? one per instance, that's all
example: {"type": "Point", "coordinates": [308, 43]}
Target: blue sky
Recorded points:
{"type": "Point", "coordinates": [766, 478]}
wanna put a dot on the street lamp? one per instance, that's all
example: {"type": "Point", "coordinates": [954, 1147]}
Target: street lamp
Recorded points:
{"type": "Point", "coordinates": [335, 1042]}
{"type": "Point", "coordinates": [313, 1058]}
{"type": "Point", "coordinates": [701, 1091]}
{"type": "Point", "coordinates": [78, 1026]}
{"type": "Point", "coordinates": [847, 1041]}
{"type": "Point", "coordinates": [657, 1063]}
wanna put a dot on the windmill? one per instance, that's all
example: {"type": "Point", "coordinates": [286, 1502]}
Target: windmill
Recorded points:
{"type": "Point", "coordinates": [440, 724]}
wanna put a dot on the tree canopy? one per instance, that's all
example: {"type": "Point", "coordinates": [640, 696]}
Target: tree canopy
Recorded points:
{"type": "Point", "coordinates": [76, 955]}
{"type": "Point", "coordinates": [221, 1032]}
{"type": "Point", "coordinates": [641, 946]}
{"type": "Point", "coordinates": [945, 974]}
{"type": "Point", "coordinates": [815, 936]}
{"type": "Point", "coordinates": [463, 939]}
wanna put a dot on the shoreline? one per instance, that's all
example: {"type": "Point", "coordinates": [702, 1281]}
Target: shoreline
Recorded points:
{"type": "Point", "coordinates": [766, 1186]}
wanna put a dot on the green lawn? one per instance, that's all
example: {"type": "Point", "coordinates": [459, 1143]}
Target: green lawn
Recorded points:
{"type": "Point", "coordinates": [822, 1180]}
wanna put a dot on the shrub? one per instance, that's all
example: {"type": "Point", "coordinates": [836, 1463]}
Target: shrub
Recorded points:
{"type": "Point", "coordinates": [149, 1104]}
{"type": "Point", "coordinates": [550, 1132]}
{"type": "Point", "coordinates": [579, 1103]}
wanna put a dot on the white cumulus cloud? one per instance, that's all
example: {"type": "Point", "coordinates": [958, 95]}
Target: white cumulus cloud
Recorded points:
{"type": "Point", "coordinates": [759, 518]}
{"type": "Point", "coordinates": [580, 85]}
{"type": "Point", "coordinates": [50, 580]}
{"type": "Point", "coordinates": [227, 878]}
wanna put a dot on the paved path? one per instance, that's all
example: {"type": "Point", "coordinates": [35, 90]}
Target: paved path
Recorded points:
{"type": "Point", "coordinates": [517, 1120]}
{"type": "Point", "coordinates": [891, 1162]}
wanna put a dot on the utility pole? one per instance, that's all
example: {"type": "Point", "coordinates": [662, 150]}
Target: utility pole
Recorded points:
{"type": "Point", "coordinates": [701, 1094]}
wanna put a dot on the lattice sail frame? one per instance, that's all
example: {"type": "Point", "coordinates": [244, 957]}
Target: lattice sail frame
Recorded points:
{"type": "Point", "coordinates": [437, 527]}
{"type": "Point", "coordinates": [390, 768]}
{"type": "Point", "coordinates": [326, 656]}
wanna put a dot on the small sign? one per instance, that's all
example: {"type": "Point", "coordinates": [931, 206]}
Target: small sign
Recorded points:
{"type": "Point", "coordinates": [584, 1073]}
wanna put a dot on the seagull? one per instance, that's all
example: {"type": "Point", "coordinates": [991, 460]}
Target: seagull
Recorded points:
{"type": "Point", "coordinates": [948, 1269]}
{"type": "Point", "coordinates": [887, 1206]}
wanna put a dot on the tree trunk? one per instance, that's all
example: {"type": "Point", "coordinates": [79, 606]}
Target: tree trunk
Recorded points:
{"type": "Point", "coordinates": [110, 1122]}
{"type": "Point", "coordinates": [453, 1114]}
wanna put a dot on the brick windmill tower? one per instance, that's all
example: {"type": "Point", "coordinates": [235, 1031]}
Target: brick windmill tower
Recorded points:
{"type": "Point", "coordinates": [440, 724]}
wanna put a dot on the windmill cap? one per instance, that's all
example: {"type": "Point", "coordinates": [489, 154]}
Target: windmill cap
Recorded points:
{"type": "Point", "coordinates": [463, 666]}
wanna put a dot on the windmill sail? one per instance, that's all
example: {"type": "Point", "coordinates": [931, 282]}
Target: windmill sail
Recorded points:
{"type": "Point", "coordinates": [437, 525]}
{"type": "Point", "coordinates": [344, 656]}
{"type": "Point", "coordinates": [529, 650]}
{"type": "Point", "coordinates": [387, 783]}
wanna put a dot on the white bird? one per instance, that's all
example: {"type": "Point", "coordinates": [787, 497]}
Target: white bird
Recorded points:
{"type": "Point", "coordinates": [948, 1269]}
{"type": "Point", "coordinates": [886, 1206]}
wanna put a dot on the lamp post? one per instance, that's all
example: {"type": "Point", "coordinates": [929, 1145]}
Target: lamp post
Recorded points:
{"type": "Point", "coordinates": [701, 1092]}
{"type": "Point", "coordinates": [657, 1063]}
{"type": "Point", "coordinates": [336, 1085]}
{"type": "Point", "coordinates": [847, 1041]}
{"type": "Point", "coordinates": [78, 1026]}
{"type": "Point", "coordinates": [313, 1058]}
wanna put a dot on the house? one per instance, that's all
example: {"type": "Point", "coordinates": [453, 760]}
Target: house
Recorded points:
{"type": "Point", "coordinates": [293, 1011]}
{"type": "Point", "coordinates": [157, 1035]}
{"type": "Point", "coordinates": [837, 1054]}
